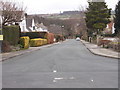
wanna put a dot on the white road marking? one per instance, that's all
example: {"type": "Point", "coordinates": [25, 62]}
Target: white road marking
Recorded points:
{"type": "Point", "coordinates": [58, 78]}
{"type": "Point", "coordinates": [92, 80]}
{"type": "Point", "coordinates": [54, 71]}
{"type": "Point", "coordinates": [72, 78]}
{"type": "Point", "coordinates": [54, 81]}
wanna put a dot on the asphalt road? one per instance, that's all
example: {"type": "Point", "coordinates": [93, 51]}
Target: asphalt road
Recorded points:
{"type": "Point", "coordinates": [65, 65]}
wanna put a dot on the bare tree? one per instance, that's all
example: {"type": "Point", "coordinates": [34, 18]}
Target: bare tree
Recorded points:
{"type": "Point", "coordinates": [11, 12]}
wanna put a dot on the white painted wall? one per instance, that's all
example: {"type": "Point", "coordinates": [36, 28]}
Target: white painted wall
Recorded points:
{"type": "Point", "coordinates": [113, 29]}
{"type": "Point", "coordinates": [23, 26]}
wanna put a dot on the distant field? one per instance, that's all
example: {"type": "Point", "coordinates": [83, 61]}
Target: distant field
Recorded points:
{"type": "Point", "coordinates": [64, 16]}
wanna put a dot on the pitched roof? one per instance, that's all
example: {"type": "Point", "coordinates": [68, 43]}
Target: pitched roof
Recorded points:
{"type": "Point", "coordinates": [28, 23]}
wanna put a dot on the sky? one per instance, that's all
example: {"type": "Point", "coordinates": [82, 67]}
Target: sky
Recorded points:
{"type": "Point", "coordinates": [57, 6]}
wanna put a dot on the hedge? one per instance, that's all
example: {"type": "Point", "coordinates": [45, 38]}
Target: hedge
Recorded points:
{"type": "Point", "coordinates": [24, 41]}
{"type": "Point", "coordinates": [37, 42]}
{"type": "Point", "coordinates": [11, 34]}
{"type": "Point", "coordinates": [109, 35]}
{"type": "Point", "coordinates": [50, 38]}
{"type": "Point", "coordinates": [45, 41]}
{"type": "Point", "coordinates": [34, 35]}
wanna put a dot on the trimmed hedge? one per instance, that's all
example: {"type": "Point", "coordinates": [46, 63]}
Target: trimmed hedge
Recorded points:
{"type": "Point", "coordinates": [45, 41]}
{"type": "Point", "coordinates": [11, 34]}
{"type": "Point", "coordinates": [0, 31]}
{"type": "Point", "coordinates": [34, 35]}
{"type": "Point", "coordinates": [109, 35]}
{"type": "Point", "coordinates": [37, 42]}
{"type": "Point", "coordinates": [50, 38]}
{"type": "Point", "coordinates": [24, 41]}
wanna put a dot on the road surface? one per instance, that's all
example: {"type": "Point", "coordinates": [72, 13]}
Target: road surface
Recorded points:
{"type": "Point", "coordinates": [65, 65]}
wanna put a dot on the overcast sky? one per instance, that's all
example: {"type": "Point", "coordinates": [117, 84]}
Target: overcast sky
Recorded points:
{"type": "Point", "coordinates": [55, 6]}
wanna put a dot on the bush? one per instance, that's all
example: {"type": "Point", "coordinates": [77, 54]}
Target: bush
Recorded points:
{"type": "Point", "coordinates": [45, 41]}
{"type": "Point", "coordinates": [24, 41]}
{"type": "Point", "coordinates": [104, 43]}
{"type": "Point", "coordinates": [0, 31]}
{"type": "Point", "coordinates": [5, 46]}
{"type": "Point", "coordinates": [109, 35]}
{"type": "Point", "coordinates": [37, 42]}
{"type": "Point", "coordinates": [58, 38]}
{"type": "Point", "coordinates": [115, 46]}
{"type": "Point", "coordinates": [11, 34]}
{"type": "Point", "coordinates": [50, 38]}
{"type": "Point", "coordinates": [33, 35]}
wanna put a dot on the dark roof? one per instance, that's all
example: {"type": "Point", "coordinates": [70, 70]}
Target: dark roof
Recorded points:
{"type": "Point", "coordinates": [28, 23]}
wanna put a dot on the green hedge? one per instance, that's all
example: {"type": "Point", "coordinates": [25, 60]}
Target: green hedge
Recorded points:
{"type": "Point", "coordinates": [34, 35]}
{"type": "Point", "coordinates": [0, 31]}
{"type": "Point", "coordinates": [109, 35]}
{"type": "Point", "coordinates": [37, 42]}
{"type": "Point", "coordinates": [11, 34]}
{"type": "Point", "coordinates": [24, 41]}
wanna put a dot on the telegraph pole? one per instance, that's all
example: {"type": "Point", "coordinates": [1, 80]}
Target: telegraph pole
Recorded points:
{"type": "Point", "coordinates": [1, 35]}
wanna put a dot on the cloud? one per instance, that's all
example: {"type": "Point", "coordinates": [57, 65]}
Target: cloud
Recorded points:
{"type": "Point", "coordinates": [55, 6]}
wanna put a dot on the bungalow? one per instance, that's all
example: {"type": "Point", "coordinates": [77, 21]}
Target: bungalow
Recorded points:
{"type": "Point", "coordinates": [28, 24]}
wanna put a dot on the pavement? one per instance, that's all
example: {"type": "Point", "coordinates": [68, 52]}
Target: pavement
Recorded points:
{"type": "Point", "coordinates": [9, 55]}
{"type": "Point", "coordinates": [97, 50]}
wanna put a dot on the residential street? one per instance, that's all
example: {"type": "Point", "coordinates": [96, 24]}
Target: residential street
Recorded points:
{"type": "Point", "coordinates": [66, 65]}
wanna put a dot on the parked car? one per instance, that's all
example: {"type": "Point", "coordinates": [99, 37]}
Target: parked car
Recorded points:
{"type": "Point", "coordinates": [77, 39]}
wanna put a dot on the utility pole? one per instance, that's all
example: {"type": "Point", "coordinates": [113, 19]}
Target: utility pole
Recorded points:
{"type": "Point", "coordinates": [1, 35]}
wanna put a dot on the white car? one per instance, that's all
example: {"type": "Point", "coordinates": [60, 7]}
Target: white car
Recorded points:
{"type": "Point", "coordinates": [77, 39]}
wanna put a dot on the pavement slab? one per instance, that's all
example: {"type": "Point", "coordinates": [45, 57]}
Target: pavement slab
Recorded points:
{"type": "Point", "coordinates": [101, 51]}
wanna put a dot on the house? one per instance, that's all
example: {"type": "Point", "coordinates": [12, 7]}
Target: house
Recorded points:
{"type": "Point", "coordinates": [110, 26]}
{"type": "Point", "coordinates": [29, 24]}
{"type": "Point", "coordinates": [41, 27]}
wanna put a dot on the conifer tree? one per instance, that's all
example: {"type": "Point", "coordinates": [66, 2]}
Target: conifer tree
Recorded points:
{"type": "Point", "coordinates": [97, 17]}
{"type": "Point", "coordinates": [117, 19]}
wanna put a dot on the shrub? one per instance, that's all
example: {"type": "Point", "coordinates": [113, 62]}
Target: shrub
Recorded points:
{"type": "Point", "coordinates": [115, 46]}
{"type": "Point", "coordinates": [0, 31]}
{"type": "Point", "coordinates": [24, 41]}
{"type": "Point", "coordinates": [5, 46]}
{"type": "Point", "coordinates": [50, 38]}
{"type": "Point", "coordinates": [58, 37]}
{"type": "Point", "coordinates": [11, 34]}
{"type": "Point", "coordinates": [33, 35]}
{"type": "Point", "coordinates": [104, 43]}
{"type": "Point", "coordinates": [109, 35]}
{"type": "Point", "coordinates": [45, 41]}
{"type": "Point", "coordinates": [37, 42]}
